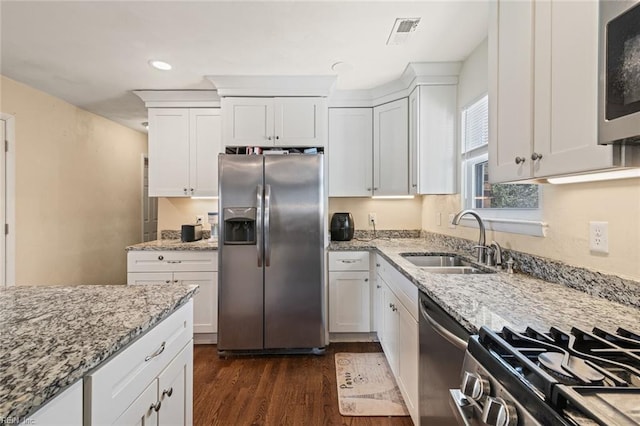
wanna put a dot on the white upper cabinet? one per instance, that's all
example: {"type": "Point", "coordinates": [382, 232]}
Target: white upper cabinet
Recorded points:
{"type": "Point", "coordinates": [292, 121]}
{"type": "Point", "coordinates": [543, 63]}
{"type": "Point", "coordinates": [391, 148]}
{"type": "Point", "coordinates": [432, 142]}
{"type": "Point", "coordinates": [350, 155]}
{"type": "Point", "coordinates": [183, 151]}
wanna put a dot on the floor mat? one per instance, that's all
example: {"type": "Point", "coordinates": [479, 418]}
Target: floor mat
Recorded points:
{"type": "Point", "coordinates": [366, 386]}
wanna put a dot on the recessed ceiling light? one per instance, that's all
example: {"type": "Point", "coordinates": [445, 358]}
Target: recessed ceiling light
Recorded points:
{"type": "Point", "coordinates": [160, 65]}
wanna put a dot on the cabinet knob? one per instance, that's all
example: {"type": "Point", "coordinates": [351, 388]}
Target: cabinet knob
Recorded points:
{"type": "Point", "coordinates": [414, 185]}
{"type": "Point", "coordinates": [161, 257]}
{"type": "Point", "coordinates": [535, 156]}
{"type": "Point", "coordinates": [185, 190]}
{"type": "Point", "coordinates": [156, 406]}
{"type": "Point", "coordinates": [368, 189]}
{"type": "Point", "coordinates": [520, 160]}
{"type": "Point", "coordinates": [366, 280]}
{"type": "Point", "coordinates": [167, 392]}
{"type": "Point", "coordinates": [269, 137]}
{"type": "Point", "coordinates": [375, 189]}
{"type": "Point", "coordinates": [377, 265]}
{"type": "Point", "coordinates": [191, 190]}
{"type": "Point", "coordinates": [378, 286]}
{"type": "Point", "coordinates": [167, 281]}
{"type": "Point", "coordinates": [175, 281]}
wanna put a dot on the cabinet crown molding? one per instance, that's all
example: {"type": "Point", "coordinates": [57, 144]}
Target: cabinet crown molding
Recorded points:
{"type": "Point", "coordinates": [273, 85]}
{"type": "Point", "coordinates": [179, 98]}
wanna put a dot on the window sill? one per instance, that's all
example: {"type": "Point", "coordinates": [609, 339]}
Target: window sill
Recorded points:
{"type": "Point", "coordinates": [534, 228]}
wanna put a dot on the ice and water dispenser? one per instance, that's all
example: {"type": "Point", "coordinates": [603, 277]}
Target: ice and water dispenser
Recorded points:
{"type": "Point", "coordinates": [239, 225]}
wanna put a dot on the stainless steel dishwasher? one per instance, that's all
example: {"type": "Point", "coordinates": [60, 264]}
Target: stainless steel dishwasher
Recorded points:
{"type": "Point", "coordinates": [443, 342]}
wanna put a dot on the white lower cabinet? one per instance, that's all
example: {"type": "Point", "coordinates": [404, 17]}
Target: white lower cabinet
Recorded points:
{"type": "Point", "coordinates": [187, 267]}
{"type": "Point", "coordinates": [397, 299]}
{"type": "Point", "coordinates": [148, 383]}
{"type": "Point", "coordinates": [349, 292]}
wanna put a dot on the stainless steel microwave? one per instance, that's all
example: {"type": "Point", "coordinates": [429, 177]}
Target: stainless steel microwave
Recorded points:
{"type": "Point", "coordinates": [619, 72]}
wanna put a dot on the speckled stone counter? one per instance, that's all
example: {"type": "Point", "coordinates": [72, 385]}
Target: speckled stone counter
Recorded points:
{"type": "Point", "coordinates": [53, 336]}
{"type": "Point", "coordinates": [161, 245]}
{"type": "Point", "coordinates": [500, 299]}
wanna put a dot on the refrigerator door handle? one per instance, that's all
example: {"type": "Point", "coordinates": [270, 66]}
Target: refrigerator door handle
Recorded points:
{"type": "Point", "coordinates": [267, 243]}
{"type": "Point", "coordinates": [259, 247]}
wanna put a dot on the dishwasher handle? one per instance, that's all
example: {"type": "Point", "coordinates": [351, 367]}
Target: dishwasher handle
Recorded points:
{"type": "Point", "coordinates": [446, 334]}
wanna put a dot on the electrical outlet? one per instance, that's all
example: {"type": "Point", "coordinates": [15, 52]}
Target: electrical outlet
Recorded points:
{"type": "Point", "coordinates": [599, 237]}
{"type": "Point", "coordinates": [372, 219]}
{"type": "Point", "coordinates": [451, 216]}
{"type": "Point", "coordinates": [199, 219]}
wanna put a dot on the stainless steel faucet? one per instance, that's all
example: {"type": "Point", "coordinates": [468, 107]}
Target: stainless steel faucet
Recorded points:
{"type": "Point", "coordinates": [497, 254]}
{"type": "Point", "coordinates": [481, 240]}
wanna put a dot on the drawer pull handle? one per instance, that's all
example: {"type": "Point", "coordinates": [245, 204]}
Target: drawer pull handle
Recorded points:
{"type": "Point", "coordinates": [161, 257]}
{"type": "Point", "coordinates": [167, 392]}
{"type": "Point", "coordinates": [349, 261]}
{"type": "Point", "coordinates": [155, 354]}
{"type": "Point", "coordinates": [155, 406]}
{"type": "Point", "coordinates": [174, 261]}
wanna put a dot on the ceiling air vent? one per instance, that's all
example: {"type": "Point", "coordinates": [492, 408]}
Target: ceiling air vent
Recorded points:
{"type": "Point", "coordinates": [402, 28]}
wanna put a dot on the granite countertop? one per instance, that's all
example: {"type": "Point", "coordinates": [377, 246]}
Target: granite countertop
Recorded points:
{"type": "Point", "coordinates": [174, 244]}
{"type": "Point", "coordinates": [52, 336]}
{"type": "Point", "coordinates": [500, 299]}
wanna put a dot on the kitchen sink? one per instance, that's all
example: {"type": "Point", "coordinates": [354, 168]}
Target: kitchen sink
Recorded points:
{"type": "Point", "coordinates": [444, 264]}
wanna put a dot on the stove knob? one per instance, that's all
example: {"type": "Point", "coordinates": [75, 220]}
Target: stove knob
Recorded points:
{"type": "Point", "coordinates": [473, 386]}
{"type": "Point", "coordinates": [498, 412]}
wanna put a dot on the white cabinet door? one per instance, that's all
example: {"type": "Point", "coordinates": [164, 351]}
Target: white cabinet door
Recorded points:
{"type": "Point", "coordinates": [168, 152]}
{"type": "Point", "coordinates": [510, 90]}
{"type": "Point", "coordinates": [408, 355]}
{"type": "Point", "coordinates": [205, 302]}
{"type": "Point", "coordinates": [391, 148]}
{"type": "Point", "coordinates": [247, 121]}
{"type": "Point", "coordinates": [350, 152]}
{"type": "Point", "coordinates": [565, 133]}
{"type": "Point", "coordinates": [175, 390]}
{"type": "Point", "coordinates": [205, 145]}
{"type": "Point", "coordinates": [433, 126]}
{"type": "Point", "coordinates": [390, 327]}
{"type": "Point", "coordinates": [349, 302]}
{"type": "Point", "coordinates": [300, 121]}
{"type": "Point", "coordinates": [142, 411]}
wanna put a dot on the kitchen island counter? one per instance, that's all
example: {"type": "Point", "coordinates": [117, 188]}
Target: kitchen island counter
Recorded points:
{"type": "Point", "coordinates": [501, 299]}
{"type": "Point", "coordinates": [52, 336]}
{"type": "Point", "coordinates": [174, 244]}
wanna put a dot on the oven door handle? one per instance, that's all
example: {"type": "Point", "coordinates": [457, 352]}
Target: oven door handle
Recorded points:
{"type": "Point", "coordinates": [462, 409]}
{"type": "Point", "coordinates": [446, 334]}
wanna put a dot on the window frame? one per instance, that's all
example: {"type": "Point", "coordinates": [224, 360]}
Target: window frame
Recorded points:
{"type": "Point", "coordinates": [526, 221]}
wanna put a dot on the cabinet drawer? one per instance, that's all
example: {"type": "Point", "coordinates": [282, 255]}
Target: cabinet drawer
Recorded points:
{"type": "Point", "coordinates": [113, 387]}
{"type": "Point", "coordinates": [348, 260]}
{"type": "Point", "coordinates": [163, 261]}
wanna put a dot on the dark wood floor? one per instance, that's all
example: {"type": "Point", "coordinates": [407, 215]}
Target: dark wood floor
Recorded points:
{"type": "Point", "coordinates": [274, 390]}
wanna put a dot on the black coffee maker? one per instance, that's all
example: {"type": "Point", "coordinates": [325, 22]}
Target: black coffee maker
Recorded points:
{"type": "Point", "coordinates": [342, 227]}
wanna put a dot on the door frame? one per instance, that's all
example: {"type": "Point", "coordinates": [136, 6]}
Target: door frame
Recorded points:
{"type": "Point", "coordinates": [8, 241]}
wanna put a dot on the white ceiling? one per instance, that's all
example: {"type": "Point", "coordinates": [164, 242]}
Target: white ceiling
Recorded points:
{"type": "Point", "coordinates": [94, 53]}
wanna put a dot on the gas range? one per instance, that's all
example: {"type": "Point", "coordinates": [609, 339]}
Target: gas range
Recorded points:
{"type": "Point", "coordinates": [557, 377]}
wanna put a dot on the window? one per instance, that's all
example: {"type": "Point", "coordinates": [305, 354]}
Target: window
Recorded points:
{"type": "Point", "coordinates": [512, 207]}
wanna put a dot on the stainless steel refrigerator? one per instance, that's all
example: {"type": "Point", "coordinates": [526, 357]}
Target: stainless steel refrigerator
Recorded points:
{"type": "Point", "coordinates": [271, 294]}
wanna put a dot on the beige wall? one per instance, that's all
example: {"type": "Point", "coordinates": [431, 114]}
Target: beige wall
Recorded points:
{"type": "Point", "coordinates": [390, 214]}
{"type": "Point", "coordinates": [174, 212]}
{"type": "Point", "coordinates": [78, 190]}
